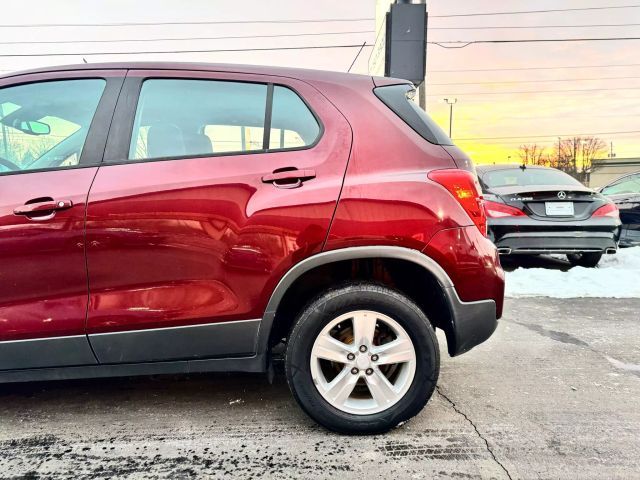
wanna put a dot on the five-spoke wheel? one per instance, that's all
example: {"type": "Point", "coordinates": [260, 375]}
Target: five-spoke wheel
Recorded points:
{"type": "Point", "coordinates": [362, 358]}
{"type": "Point", "coordinates": [363, 362]}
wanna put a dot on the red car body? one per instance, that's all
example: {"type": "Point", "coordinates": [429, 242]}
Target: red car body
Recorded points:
{"type": "Point", "coordinates": [195, 264]}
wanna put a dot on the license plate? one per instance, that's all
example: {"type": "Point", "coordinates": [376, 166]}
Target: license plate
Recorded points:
{"type": "Point", "coordinates": [559, 209]}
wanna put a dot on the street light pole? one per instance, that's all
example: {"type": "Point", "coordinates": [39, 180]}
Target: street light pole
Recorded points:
{"type": "Point", "coordinates": [451, 102]}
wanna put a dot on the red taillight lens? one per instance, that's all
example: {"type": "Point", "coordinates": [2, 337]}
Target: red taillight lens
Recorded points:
{"type": "Point", "coordinates": [500, 210]}
{"type": "Point", "coordinates": [464, 187]}
{"type": "Point", "coordinates": [608, 210]}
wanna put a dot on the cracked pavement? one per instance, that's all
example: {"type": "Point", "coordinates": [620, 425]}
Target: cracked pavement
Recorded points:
{"type": "Point", "coordinates": [553, 394]}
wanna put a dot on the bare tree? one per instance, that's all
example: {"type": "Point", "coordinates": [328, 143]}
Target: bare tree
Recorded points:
{"type": "Point", "coordinates": [592, 147]}
{"type": "Point", "coordinates": [568, 155]}
{"type": "Point", "coordinates": [531, 154]}
{"type": "Point", "coordinates": [574, 155]}
{"type": "Point", "coordinates": [546, 160]}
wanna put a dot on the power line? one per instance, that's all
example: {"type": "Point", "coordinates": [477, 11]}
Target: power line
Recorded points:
{"type": "Point", "coordinates": [535, 91]}
{"type": "Point", "coordinates": [206, 22]}
{"type": "Point", "coordinates": [288, 21]}
{"type": "Point", "coordinates": [441, 44]}
{"type": "Point", "coordinates": [464, 43]}
{"type": "Point", "coordinates": [535, 81]}
{"type": "Point", "coordinates": [547, 136]}
{"type": "Point", "coordinates": [504, 69]}
{"type": "Point", "coordinates": [41, 42]}
{"type": "Point", "coordinates": [533, 101]}
{"type": "Point", "coordinates": [551, 140]}
{"type": "Point", "coordinates": [521, 12]}
{"type": "Point", "coordinates": [151, 52]}
{"type": "Point", "coordinates": [502, 27]}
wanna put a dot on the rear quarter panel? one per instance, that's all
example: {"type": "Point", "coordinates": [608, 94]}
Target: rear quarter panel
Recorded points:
{"type": "Point", "coordinates": [387, 198]}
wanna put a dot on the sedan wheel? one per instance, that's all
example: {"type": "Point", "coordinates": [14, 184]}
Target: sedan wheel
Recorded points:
{"type": "Point", "coordinates": [589, 259]}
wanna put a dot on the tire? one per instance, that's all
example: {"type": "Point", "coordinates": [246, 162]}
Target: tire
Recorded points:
{"type": "Point", "coordinates": [588, 260]}
{"type": "Point", "coordinates": [395, 319]}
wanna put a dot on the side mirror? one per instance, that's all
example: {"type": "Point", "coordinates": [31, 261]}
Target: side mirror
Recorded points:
{"type": "Point", "coordinates": [33, 127]}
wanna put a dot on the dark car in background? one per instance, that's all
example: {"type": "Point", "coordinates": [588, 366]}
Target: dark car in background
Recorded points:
{"type": "Point", "coordinates": [625, 193]}
{"type": "Point", "coordinates": [539, 210]}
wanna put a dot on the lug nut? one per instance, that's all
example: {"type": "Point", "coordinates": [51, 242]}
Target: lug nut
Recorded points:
{"type": "Point", "coordinates": [351, 356]}
{"type": "Point", "coordinates": [374, 358]}
{"type": "Point", "coordinates": [354, 370]}
{"type": "Point", "coordinates": [363, 348]}
{"type": "Point", "coordinates": [369, 371]}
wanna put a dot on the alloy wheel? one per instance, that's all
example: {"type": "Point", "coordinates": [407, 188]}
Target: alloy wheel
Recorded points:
{"type": "Point", "coordinates": [363, 362]}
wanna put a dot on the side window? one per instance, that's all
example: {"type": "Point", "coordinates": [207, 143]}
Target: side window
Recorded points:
{"type": "Point", "coordinates": [44, 125]}
{"type": "Point", "coordinates": [627, 185]}
{"type": "Point", "coordinates": [399, 98]}
{"type": "Point", "coordinates": [177, 118]}
{"type": "Point", "coordinates": [292, 123]}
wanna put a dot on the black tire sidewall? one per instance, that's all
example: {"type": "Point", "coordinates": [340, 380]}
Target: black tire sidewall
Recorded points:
{"type": "Point", "coordinates": [341, 300]}
{"type": "Point", "coordinates": [587, 260]}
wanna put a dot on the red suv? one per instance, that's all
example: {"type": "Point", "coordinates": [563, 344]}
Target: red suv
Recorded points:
{"type": "Point", "coordinates": [167, 218]}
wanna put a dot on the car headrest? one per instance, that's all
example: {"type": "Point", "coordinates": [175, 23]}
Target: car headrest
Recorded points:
{"type": "Point", "coordinates": [197, 143]}
{"type": "Point", "coordinates": [165, 140]}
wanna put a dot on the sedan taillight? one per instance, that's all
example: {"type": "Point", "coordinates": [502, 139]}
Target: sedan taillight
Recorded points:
{"type": "Point", "coordinates": [500, 210]}
{"type": "Point", "coordinates": [608, 210]}
{"type": "Point", "coordinates": [464, 187]}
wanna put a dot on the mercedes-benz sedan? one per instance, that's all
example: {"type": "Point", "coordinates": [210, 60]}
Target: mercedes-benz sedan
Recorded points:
{"type": "Point", "coordinates": [539, 210]}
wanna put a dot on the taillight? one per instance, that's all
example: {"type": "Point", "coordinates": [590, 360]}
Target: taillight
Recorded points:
{"type": "Point", "coordinates": [464, 186]}
{"type": "Point", "coordinates": [500, 210]}
{"type": "Point", "coordinates": [608, 210]}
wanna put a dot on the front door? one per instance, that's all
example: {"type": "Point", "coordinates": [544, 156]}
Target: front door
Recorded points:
{"type": "Point", "coordinates": [221, 183]}
{"type": "Point", "coordinates": [52, 136]}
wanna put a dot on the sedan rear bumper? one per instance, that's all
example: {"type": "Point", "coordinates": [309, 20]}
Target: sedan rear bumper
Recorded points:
{"type": "Point", "coordinates": [556, 242]}
{"type": "Point", "coordinates": [531, 236]}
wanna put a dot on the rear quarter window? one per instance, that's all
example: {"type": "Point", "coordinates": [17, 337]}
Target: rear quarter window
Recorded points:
{"type": "Point", "coordinates": [399, 99]}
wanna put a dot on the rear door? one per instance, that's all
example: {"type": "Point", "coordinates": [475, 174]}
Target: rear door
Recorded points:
{"type": "Point", "coordinates": [53, 130]}
{"type": "Point", "coordinates": [213, 186]}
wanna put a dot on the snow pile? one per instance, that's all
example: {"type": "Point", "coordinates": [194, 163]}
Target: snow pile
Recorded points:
{"type": "Point", "coordinates": [616, 276]}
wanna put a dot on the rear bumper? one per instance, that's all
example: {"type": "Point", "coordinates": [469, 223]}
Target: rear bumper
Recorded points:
{"type": "Point", "coordinates": [530, 236]}
{"type": "Point", "coordinates": [474, 288]}
{"type": "Point", "coordinates": [472, 322]}
{"type": "Point", "coordinates": [556, 242]}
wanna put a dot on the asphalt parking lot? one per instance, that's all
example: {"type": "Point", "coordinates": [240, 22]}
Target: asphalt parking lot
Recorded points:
{"type": "Point", "coordinates": [554, 394]}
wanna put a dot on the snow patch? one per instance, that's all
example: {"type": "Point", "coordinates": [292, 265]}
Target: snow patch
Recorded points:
{"type": "Point", "coordinates": [616, 276]}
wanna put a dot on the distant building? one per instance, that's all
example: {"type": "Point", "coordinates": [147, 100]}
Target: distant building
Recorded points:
{"type": "Point", "coordinates": [604, 170]}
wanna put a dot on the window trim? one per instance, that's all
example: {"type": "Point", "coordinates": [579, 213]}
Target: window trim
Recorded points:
{"type": "Point", "coordinates": [119, 142]}
{"type": "Point", "coordinates": [97, 134]}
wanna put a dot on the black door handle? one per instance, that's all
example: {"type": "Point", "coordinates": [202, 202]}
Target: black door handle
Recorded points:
{"type": "Point", "coordinates": [43, 209]}
{"type": "Point", "coordinates": [289, 178]}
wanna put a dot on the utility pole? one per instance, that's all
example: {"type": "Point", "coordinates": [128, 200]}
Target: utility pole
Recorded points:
{"type": "Point", "coordinates": [611, 154]}
{"type": "Point", "coordinates": [422, 88]}
{"type": "Point", "coordinates": [575, 155]}
{"type": "Point", "coordinates": [450, 102]}
{"type": "Point", "coordinates": [559, 146]}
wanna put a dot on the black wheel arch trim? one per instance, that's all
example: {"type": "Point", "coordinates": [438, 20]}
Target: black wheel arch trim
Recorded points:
{"type": "Point", "coordinates": [470, 323]}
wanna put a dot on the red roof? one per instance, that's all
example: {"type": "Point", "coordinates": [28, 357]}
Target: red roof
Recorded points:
{"type": "Point", "coordinates": [300, 73]}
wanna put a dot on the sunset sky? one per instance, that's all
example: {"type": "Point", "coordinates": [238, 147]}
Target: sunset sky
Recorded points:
{"type": "Point", "coordinates": [484, 111]}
